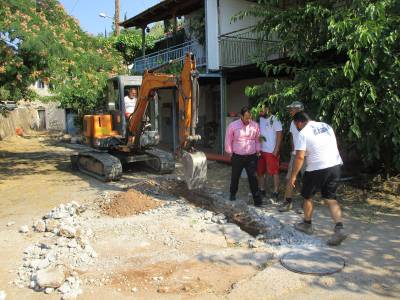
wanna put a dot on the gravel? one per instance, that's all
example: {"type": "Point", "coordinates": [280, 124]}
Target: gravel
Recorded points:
{"type": "Point", "coordinates": [66, 246]}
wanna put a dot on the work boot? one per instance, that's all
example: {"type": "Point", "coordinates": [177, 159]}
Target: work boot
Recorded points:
{"type": "Point", "coordinates": [232, 197]}
{"type": "Point", "coordinates": [304, 227]}
{"type": "Point", "coordinates": [286, 206]}
{"type": "Point", "coordinates": [258, 201]}
{"type": "Point", "coordinates": [337, 237]}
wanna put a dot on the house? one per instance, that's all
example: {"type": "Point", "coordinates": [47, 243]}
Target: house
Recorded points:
{"type": "Point", "coordinates": [224, 52]}
{"type": "Point", "coordinates": [50, 116]}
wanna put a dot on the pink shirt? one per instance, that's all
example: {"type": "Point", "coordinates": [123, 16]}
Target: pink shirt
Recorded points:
{"type": "Point", "coordinates": [242, 139]}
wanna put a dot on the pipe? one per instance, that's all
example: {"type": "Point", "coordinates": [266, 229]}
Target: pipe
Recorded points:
{"type": "Point", "coordinates": [218, 157]}
{"type": "Point", "coordinates": [283, 166]}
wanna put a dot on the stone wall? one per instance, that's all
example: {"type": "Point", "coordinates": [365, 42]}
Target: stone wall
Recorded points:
{"type": "Point", "coordinates": [25, 118]}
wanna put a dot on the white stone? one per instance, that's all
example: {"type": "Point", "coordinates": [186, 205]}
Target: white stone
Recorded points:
{"type": "Point", "coordinates": [51, 224]}
{"type": "Point", "coordinates": [32, 284]}
{"type": "Point", "coordinates": [3, 295]}
{"type": "Point", "coordinates": [134, 290]}
{"type": "Point", "coordinates": [65, 288]}
{"type": "Point", "coordinates": [67, 231]}
{"type": "Point", "coordinates": [71, 296]}
{"type": "Point", "coordinates": [62, 241]}
{"type": "Point", "coordinates": [72, 244]}
{"type": "Point", "coordinates": [39, 264]}
{"type": "Point", "coordinates": [24, 229]}
{"type": "Point", "coordinates": [10, 224]}
{"type": "Point", "coordinates": [50, 278]}
{"type": "Point", "coordinates": [49, 290]}
{"type": "Point", "coordinates": [39, 225]}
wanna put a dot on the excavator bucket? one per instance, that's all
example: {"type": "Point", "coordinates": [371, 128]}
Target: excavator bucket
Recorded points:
{"type": "Point", "coordinates": [195, 169]}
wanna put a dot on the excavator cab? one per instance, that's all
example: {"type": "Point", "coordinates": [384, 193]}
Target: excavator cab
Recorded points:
{"type": "Point", "coordinates": [117, 90]}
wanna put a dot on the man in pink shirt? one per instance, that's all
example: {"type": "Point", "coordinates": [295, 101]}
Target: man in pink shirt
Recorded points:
{"type": "Point", "coordinates": [243, 144]}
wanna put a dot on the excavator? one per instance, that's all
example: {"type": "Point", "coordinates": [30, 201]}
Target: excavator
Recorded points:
{"type": "Point", "coordinates": [112, 140]}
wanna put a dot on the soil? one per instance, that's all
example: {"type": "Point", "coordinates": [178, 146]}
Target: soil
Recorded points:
{"type": "Point", "coordinates": [129, 203]}
{"type": "Point", "coordinates": [153, 241]}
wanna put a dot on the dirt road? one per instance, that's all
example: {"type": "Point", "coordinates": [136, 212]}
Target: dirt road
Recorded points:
{"type": "Point", "coordinates": [172, 249]}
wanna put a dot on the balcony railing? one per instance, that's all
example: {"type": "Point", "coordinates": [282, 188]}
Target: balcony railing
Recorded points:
{"type": "Point", "coordinates": [244, 47]}
{"type": "Point", "coordinates": [175, 53]}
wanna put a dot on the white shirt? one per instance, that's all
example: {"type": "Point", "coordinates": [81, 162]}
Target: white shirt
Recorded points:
{"type": "Point", "coordinates": [295, 133]}
{"type": "Point", "coordinates": [268, 129]}
{"type": "Point", "coordinates": [319, 142]}
{"type": "Point", "coordinates": [130, 104]}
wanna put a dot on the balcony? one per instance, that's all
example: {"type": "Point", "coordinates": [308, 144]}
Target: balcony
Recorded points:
{"type": "Point", "coordinates": [175, 53]}
{"type": "Point", "coordinates": [243, 47]}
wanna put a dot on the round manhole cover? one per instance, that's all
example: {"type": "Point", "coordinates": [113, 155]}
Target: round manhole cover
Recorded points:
{"type": "Point", "coordinates": [313, 262]}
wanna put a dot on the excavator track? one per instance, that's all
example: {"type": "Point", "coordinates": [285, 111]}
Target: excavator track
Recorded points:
{"type": "Point", "coordinates": [100, 165]}
{"type": "Point", "coordinates": [163, 162]}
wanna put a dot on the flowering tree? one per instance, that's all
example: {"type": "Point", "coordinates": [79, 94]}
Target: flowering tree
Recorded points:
{"type": "Point", "coordinates": [38, 40]}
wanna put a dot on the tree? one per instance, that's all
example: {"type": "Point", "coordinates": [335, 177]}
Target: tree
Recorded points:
{"type": "Point", "coordinates": [129, 42]}
{"type": "Point", "coordinates": [343, 57]}
{"type": "Point", "coordinates": [45, 43]}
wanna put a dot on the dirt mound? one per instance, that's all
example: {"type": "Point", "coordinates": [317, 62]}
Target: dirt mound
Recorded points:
{"type": "Point", "coordinates": [129, 203]}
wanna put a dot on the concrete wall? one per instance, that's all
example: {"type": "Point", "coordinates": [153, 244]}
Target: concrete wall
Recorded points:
{"type": "Point", "coordinates": [55, 116]}
{"type": "Point", "coordinates": [228, 9]}
{"type": "Point", "coordinates": [236, 97]}
{"type": "Point", "coordinates": [25, 118]}
{"type": "Point", "coordinates": [212, 44]}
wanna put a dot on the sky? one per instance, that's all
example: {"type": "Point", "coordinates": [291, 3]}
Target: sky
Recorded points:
{"type": "Point", "coordinates": [87, 12]}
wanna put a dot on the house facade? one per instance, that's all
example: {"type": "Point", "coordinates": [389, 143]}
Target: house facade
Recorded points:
{"type": "Point", "coordinates": [50, 116]}
{"type": "Point", "coordinates": [224, 51]}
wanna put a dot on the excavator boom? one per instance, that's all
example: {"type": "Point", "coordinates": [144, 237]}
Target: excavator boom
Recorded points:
{"type": "Point", "coordinates": [194, 162]}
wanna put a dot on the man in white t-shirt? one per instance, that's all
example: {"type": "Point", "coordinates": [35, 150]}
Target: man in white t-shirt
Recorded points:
{"type": "Point", "coordinates": [271, 138]}
{"type": "Point", "coordinates": [317, 142]}
{"type": "Point", "coordinates": [293, 108]}
{"type": "Point", "coordinates": [130, 101]}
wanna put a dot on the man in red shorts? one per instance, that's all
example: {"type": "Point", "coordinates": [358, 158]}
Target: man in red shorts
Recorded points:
{"type": "Point", "coordinates": [271, 138]}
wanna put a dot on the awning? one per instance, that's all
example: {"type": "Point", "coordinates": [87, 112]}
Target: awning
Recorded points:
{"type": "Point", "coordinates": [164, 10]}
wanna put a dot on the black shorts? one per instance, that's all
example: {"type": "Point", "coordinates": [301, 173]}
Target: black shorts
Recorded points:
{"type": "Point", "coordinates": [324, 180]}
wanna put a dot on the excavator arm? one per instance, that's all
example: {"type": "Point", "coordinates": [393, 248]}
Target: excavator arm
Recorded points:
{"type": "Point", "coordinates": [194, 162]}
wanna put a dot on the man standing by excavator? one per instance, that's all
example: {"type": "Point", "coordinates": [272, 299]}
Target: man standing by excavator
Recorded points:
{"type": "Point", "coordinates": [243, 145]}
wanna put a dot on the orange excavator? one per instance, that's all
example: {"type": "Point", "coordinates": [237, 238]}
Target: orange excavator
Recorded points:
{"type": "Point", "coordinates": [112, 140]}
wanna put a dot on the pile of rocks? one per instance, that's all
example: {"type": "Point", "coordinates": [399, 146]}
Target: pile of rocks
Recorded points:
{"type": "Point", "coordinates": [49, 266]}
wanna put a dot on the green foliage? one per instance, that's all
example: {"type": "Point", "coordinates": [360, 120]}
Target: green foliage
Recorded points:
{"type": "Point", "coordinates": [344, 60]}
{"type": "Point", "coordinates": [129, 42]}
{"type": "Point", "coordinates": [45, 43]}
{"type": "Point", "coordinates": [197, 27]}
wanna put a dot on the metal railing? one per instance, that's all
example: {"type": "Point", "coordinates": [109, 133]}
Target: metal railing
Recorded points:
{"type": "Point", "coordinates": [244, 47]}
{"type": "Point", "coordinates": [175, 53]}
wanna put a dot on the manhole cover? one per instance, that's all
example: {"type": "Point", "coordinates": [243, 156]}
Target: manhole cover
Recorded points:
{"type": "Point", "coordinates": [313, 262]}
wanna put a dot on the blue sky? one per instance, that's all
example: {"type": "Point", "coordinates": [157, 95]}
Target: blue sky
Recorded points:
{"type": "Point", "coordinates": [87, 12]}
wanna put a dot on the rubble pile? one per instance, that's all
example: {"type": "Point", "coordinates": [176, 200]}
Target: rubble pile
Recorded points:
{"type": "Point", "coordinates": [49, 266]}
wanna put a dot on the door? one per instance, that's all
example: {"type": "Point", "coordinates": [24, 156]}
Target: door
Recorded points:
{"type": "Point", "coordinates": [42, 119]}
{"type": "Point", "coordinates": [71, 129]}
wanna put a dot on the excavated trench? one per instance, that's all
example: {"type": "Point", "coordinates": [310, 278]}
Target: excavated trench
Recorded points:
{"type": "Point", "coordinates": [235, 212]}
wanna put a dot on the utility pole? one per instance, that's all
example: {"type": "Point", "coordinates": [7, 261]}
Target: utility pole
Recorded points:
{"type": "Point", "coordinates": [116, 20]}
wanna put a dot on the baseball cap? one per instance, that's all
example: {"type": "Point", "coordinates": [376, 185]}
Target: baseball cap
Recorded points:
{"type": "Point", "coordinates": [296, 104]}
